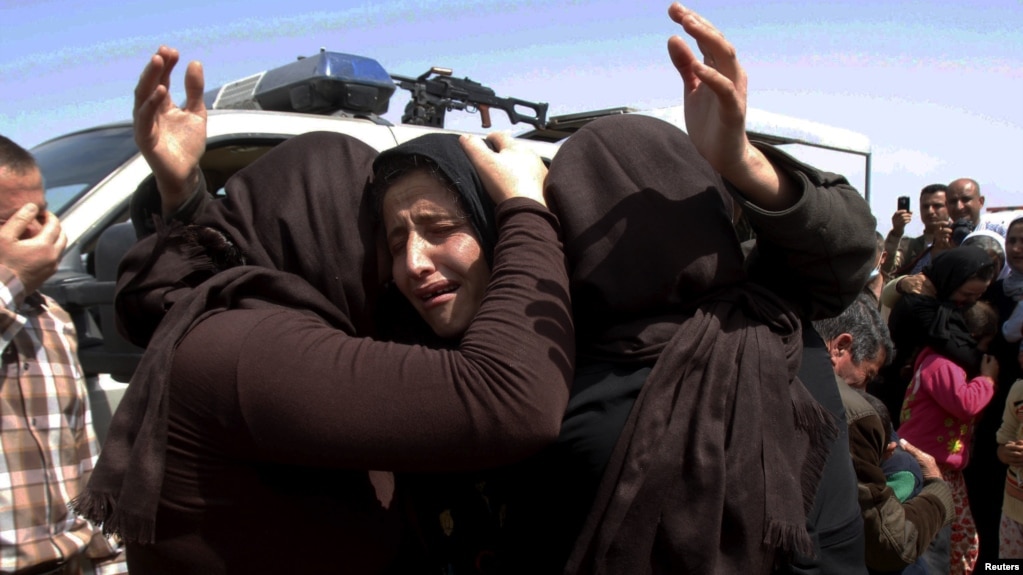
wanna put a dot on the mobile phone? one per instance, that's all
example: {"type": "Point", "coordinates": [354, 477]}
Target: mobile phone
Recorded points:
{"type": "Point", "coordinates": [904, 203]}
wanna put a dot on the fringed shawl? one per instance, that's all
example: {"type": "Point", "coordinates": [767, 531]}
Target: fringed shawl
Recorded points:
{"type": "Point", "coordinates": [308, 236]}
{"type": "Point", "coordinates": [718, 463]}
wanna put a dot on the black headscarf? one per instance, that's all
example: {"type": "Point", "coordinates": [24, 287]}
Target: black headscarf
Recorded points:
{"type": "Point", "coordinates": [446, 154]}
{"type": "Point", "coordinates": [303, 221]}
{"type": "Point", "coordinates": [396, 318]}
{"type": "Point", "coordinates": [718, 463]}
{"type": "Point", "coordinates": [918, 320]}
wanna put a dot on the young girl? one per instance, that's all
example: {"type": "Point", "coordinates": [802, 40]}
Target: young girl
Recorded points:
{"type": "Point", "coordinates": [1010, 452]}
{"type": "Point", "coordinates": [938, 415]}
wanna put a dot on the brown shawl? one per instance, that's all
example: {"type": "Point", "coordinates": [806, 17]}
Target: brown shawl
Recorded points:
{"type": "Point", "coordinates": [307, 234]}
{"type": "Point", "coordinates": [719, 460]}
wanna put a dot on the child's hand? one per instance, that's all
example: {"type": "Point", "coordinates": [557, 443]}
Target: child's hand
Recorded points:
{"type": "Point", "coordinates": [989, 367]}
{"type": "Point", "coordinates": [1011, 453]}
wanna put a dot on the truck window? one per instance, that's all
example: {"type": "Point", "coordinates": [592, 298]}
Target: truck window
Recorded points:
{"type": "Point", "coordinates": [74, 164]}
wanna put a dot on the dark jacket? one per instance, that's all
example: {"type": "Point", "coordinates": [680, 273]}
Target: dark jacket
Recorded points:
{"type": "Point", "coordinates": [896, 533]}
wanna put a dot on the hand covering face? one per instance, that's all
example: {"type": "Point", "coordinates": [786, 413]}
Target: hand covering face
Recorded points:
{"type": "Point", "coordinates": [719, 460]}
{"type": "Point", "coordinates": [307, 235]}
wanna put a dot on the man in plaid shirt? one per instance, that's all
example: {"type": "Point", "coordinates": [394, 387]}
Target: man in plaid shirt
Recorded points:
{"type": "Point", "coordinates": [47, 443]}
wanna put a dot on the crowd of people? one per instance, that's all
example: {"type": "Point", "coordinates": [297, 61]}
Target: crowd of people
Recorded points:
{"type": "Point", "coordinates": [659, 352]}
{"type": "Point", "coordinates": [952, 312]}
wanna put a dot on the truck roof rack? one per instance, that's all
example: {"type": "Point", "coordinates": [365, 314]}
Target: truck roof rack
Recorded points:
{"type": "Point", "coordinates": [560, 127]}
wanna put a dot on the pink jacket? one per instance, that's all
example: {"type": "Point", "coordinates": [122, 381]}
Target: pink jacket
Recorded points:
{"type": "Point", "coordinates": [940, 407]}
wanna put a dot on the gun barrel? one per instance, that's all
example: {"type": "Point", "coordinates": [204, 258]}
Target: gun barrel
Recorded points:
{"type": "Point", "coordinates": [431, 97]}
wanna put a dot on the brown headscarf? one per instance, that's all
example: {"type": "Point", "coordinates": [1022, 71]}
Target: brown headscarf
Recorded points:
{"type": "Point", "coordinates": [718, 463]}
{"type": "Point", "coordinates": [307, 236]}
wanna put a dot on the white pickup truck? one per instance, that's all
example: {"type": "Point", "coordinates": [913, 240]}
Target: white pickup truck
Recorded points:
{"type": "Point", "coordinates": [91, 175]}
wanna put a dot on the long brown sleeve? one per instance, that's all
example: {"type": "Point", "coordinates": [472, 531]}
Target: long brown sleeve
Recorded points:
{"type": "Point", "coordinates": [818, 253]}
{"type": "Point", "coordinates": [302, 392]}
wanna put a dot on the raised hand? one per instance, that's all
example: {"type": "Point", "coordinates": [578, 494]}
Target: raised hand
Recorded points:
{"type": "Point", "coordinates": [514, 170]}
{"type": "Point", "coordinates": [715, 110]}
{"type": "Point", "coordinates": [171, 139]}
{"type": "Point", "coordinates": [899, 221]}
{"type": "Point", "coordinates": [715, 90]}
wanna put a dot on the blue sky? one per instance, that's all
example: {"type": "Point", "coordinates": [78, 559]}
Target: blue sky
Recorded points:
{"type": "Point", "coordinates": [936, 86]}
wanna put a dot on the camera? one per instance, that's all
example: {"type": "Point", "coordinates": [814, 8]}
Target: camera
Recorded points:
{"type": "Point", "coordinates": [904, 203]}
{"type": "Point", "coordinates": [960, 229]}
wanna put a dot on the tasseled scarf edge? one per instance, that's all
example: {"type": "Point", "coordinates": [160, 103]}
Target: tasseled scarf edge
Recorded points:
{"type": "Point", "coordinates": [789, 538]}
{"type": "Point", "coordinates": [101, 510]}
{"type": "Point", "coordinates": [821, 430]}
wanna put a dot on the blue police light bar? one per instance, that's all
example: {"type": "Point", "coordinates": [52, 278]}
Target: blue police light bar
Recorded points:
{"type": "Point", "coordinates": [327, 83]}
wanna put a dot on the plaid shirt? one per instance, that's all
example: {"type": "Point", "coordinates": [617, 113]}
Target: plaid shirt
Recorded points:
{"type": "Point", "coordinates": [47, 444]}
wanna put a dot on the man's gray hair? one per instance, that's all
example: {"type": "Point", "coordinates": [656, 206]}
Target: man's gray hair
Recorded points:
{"type": "Point", "coordinates": [864, 323]}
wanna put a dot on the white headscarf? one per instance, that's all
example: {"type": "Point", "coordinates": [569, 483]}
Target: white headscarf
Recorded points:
{"type": "Point", "coordinates": [1000, 238]}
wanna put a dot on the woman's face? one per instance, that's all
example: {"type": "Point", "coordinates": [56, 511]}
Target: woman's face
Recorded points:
{"type": "Point", "coordinates": [1014, 246]}
{"type": "Point", "coordinates": [970, 292]}
{"type": "Point", "coordinates": [437, 261]}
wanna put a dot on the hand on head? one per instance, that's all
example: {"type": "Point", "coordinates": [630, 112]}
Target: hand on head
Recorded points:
{"type": "Point", "coordinates": [171, 139]}
{"type": "Point", "coordinates": [918, 284]}
{"type": "Point", "coordinates": [33, 259]}
{"type": "Point", "coordinates": [513, 170]}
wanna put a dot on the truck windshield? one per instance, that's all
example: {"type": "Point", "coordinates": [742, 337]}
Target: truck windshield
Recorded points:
{"type": "Point", "coordinates": [73, 164]}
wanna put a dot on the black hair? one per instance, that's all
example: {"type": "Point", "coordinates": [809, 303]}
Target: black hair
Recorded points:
{"type": "Point", "coordinates": [14, 157]}
{"type": "Point", "coordinates": [933, 189]}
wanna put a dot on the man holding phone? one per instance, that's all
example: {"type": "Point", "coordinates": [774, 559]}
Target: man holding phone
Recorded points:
{"type": "Point", "coordinates": [907, 253]}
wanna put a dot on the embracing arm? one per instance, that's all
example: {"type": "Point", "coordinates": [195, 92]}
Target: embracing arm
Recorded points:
{"type": "Point", "coordinates": [310, 394]}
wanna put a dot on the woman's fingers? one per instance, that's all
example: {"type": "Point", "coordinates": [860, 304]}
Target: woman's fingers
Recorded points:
{"type": "Point", "coordinates": [195, 83]}
{"type": "Point", "coordinates": [513, 170]}
{"type": "Point", "coordinates": [718, 53]}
